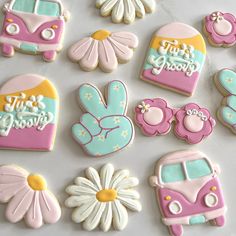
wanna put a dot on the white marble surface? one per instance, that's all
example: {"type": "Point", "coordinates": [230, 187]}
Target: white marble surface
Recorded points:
{"type": "Point", "coordinates": [67, 160]}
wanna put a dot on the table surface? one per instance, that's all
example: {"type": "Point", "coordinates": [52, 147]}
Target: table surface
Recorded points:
{"type": "Point", "coordinates": [67, 160]}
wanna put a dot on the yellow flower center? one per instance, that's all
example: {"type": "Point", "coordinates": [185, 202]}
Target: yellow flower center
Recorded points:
{"type": "Point", "coordinates": [106, 195]}
{"type": "Point", "coordinates": [101, 35]}
{"type": "Point", "coordinates": [37, 182]}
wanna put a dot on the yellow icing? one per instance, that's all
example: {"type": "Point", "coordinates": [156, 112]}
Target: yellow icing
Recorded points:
{"type": "Point", "coordinates": [101, 34]}
{"type": "Point", "coordinates": [197, 42]}
{"type": "Point", "coordinates": [213, 188]}
{"type": "Point", "coordinates": [168, 198]}
{"type": "Point", "coordinates": [106, 195]}
{"type": "Point", "coordinates": [37, 182]}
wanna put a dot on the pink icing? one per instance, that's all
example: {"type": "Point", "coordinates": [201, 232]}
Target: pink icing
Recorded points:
{"type": "Point", "coordinates": [223, 27]}
{"type": "Point", "coordinates": [193, 123]}
{"type": "Point", "coordinates": [154, 116]}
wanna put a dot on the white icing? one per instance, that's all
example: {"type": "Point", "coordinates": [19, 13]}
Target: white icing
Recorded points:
{"type": "Point", "coordinates": [48, 34]}
{"type": "Point", "coordinates": [144, 107]}
{"type": "Point", "coordinates": [198, 113]}
{"type": "Point", "coordinates": [13, 29]}
{"type": "Point", "coordinates": [193, 123]}
{"type": "Point", "coordinates": [222, 27]}
{"type": "Point", "coordinates": [175, 207]}
{"type": "Point", "coordinates": [211, 200]}
{"type": "Point", "coordinates": [154, 116]}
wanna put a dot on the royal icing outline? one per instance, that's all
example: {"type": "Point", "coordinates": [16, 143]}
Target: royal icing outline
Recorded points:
{"type": "Point", "coordinates": [103, 49]}
{"type": "Point", "coordinates": [101, 198]}
{"type": "Point", "coordinates": [191, 122]}
{"type": "Point", "coordinates": [175, 58]}
{"type": "Point", "coordinates": [188, 190]}
{"type": "Point", "coordinates": [27, 197]}
{"type": "Point", "coordinates": [35, 28]}
{"type": "Point", "coordinates": [104, 128]}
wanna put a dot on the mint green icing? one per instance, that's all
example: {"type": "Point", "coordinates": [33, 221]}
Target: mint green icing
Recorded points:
{"type": "Point", "coordinates": [227, 79]}
{"type": "Point", "coordinates": [29, 47]}
{"type": "Point", "coordinates": [228, 115]}
{"type": "Point", "coordinates": [200, 219]}
{"type": "Point", "coordinates": [24, 5]}
{"type": "Point", "coordinates": [231, 102]}
{"type": "Point", "coordinates": [48, 8]}
{"type": "Point", "coordinates": [172, 173]}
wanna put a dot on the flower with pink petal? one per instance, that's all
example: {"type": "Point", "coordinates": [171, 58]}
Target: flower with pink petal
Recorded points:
{"type": "Point", "coordinates": [154, 117]}
{"type": "Point", "coordinates": [193, 123]}
{"type": "Point", "coordinates": [27, 197]}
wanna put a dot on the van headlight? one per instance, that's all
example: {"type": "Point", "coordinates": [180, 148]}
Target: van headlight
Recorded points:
{"type": "Point", "coordinates": [13, 29]}
{"type": "Point", "coordinates": [48, 34]}
{"type": "Point", "coordinates": [175, 207]}
{"type": "Point", "coordinates": [211, 200]}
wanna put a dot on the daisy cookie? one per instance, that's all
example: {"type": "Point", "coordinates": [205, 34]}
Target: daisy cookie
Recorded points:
{"type": "Point", "coordinates": [220, 29]}
{"type": "Point", "coordinates": [175, 58]}
{"type": "Point", "coordinates": [28, 113]}
{"type": "Point", "coordinates": [33, 27]}
{"type": "Point", "coordinates": [125, 10]}
{"type": "Point", "coordinates": [104, 128]}
{"type": "Point", "coordinates": [103, 49]}
{"type": "Point", "coordinates": [27, 197]}
{"type": "Point", "coordinates": [225, 81]}
{"type": "Point", "coordinates": [188, 191]}
{"type": "Point", "coordinates": [102, 199]}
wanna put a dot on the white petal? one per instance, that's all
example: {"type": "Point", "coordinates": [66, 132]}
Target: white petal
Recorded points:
{"type": "Point", "coordinates": [126, 38]}
{"type": "Point", "coordinates": [106, 218]}
{"type": "Point", "coordinates": [77, 51]}
{"type": "Point", "coordinates": [129, 14]}
{"type": "Point", "coordinates": [127, 183]}
{"type": "Point", "coordinates": [128, 193]}
{"type": "Point", "coordinates": [123, 53]}
{"type": "Point", "coordinates": [133, 205]}
{"type": "Point", "coordinates": [78, 190]}
{"type": "Point", "coordinates": [106, 174]}
{"type": "Point", "coordinates": [19, 205]}
{"type": "Point", "coordinates": [12, 174]}
{"type": "Point", "coordinates": [150, 5]}
{"type": "Point", "coordinates": [50, 208]}
{"type": "Point", "coordinates": [99, 3]}
{"type": "Point", "coordinates": [90, 60]}
{"type": "Point", "coordinates": [107, 57]}
{"type": "Point", "coordinates": [75, 201]}
{"type": "Point", "coordinates": [93, 175]}
{"type": "Point", "coordinates": [107, 7]}
{"type": "Point", "coordinates": [83, 182]}
{"type": "Point", "coordinates": [120, 215]}
{"type": "Point", "coordinates": [139, 8]}
{"type": "Point", "coordinates": [118, 12]}
{"type": "Point", "coordinates": [94, 218]}
{"type": "Point", "coordinates": [81, 213]}
{"type": "Point", "coordinates": [117, 177]}
{"type": "Point", "coordinates": [34, 217]}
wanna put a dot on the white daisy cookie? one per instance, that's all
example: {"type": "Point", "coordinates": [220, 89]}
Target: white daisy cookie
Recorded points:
{"type": "Point", "coordinates": [102, 198]}
{"type": "Point", "coordinates": [103, 49]}
{"type": "Point", "coordinates": [28, 197]}
{"type": "Point", "coordinates": [125, 10]}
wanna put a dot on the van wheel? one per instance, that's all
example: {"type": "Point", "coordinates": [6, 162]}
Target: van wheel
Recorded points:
{"type": "Point", "coordinates": [219, 221]}
{"type": "Point", "coordinates": [176, 230]}
{"type": "Point", "coordinates": [49, 56]}
{"type": "Point", "coordinates": [7, 50]}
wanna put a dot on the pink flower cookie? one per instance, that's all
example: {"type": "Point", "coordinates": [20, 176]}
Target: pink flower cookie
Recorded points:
{"type": "Point", "coordinates": [220, 29]}
{"type": "Point", "coordinates": [154, 116]}
{"type": "Point", "coordinates": [193, 123]}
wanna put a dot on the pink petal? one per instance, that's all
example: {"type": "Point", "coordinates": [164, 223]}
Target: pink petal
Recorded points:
{"type": "Point", "coordinates": [77, 51]}
{"type": "Point", "coordinates": [19, 205]}
{"type": "Point", "coordinates": [50, 208]}
{"type": "Point", "coordinates": [90, 60]}
{"type": "Point", "coordinates": [12, 174]}
{"type": "Point", "coordinates": [126, 38]}
{"type": "Point", "coordinates": [34, 217]}
{"type": "Point", "coordinates": [107, 57]}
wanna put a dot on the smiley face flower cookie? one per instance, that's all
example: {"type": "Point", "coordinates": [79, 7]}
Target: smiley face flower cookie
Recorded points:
{"type": "Point", "coordinates": [102, 198]}
{"type": "Point", "coordinates": [27, 197]}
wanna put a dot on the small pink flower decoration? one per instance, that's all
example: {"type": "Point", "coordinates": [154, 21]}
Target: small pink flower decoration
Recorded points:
{"type": "Point", "coordinates": [154, 117]}
{"type": "Point", "coordinates": [27, 197]}
{"type": "Point", "coordinates": [193, 123]}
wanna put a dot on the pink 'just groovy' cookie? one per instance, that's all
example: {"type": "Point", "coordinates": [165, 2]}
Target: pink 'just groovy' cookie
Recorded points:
{"type": "Point", "coordinates": [188, 191]}
{"type": "Point", "coordinates": [220, 29]}
{"type": "Point", "coordinates": [28, 113]}
{"type": "Point", "coordinates": [175, 58]}
{"type": "Point", "coordinates": [33, 27]}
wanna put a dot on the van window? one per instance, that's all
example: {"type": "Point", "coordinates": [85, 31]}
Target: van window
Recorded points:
{"type": "Point", "coordinates": [24, 5]}
{"type": "Point", "coordinates": [172, 173]}
{"type": "Point", "coordinates": [48, 8]}
{"type": "Point", "coordinates": [198, 168]}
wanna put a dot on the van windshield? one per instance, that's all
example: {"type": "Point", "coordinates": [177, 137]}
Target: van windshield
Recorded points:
{"type": "Point", "coordinates": [24, 5]}
{"type": "Point", "coordinates": [172, 173]}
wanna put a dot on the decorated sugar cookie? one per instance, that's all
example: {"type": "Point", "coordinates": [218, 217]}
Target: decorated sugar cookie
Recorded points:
{"type": "Point", "coordinates": [33, 27]}
{"type": "Point", "coordinates": [103, 49]}
{"type": "Point", "coordinates": [226, 83]}
{"type": "Point", "coordinates": [188, 191]}
{"type": "Point", "coordinates": [175, 58]}
{"type": "Point", "coordinates": [104, 128]}
{"type": "Point", "coordinates": [27, 197]}
{"type": "Point", "coordinates": [192, 123]}
{"type": "Point", "coordinates": [102, 198]}
{"type": "Point", "coordinates": [220, 29]}
{"type": "Point", "coordinates": [28, 113]}
{"type": "Point", "coordinates": [125, 10]}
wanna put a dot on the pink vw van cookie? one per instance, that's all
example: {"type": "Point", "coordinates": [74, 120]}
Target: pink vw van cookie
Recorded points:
{"type": "Point", "coordinates": [188, 190]}
{"type": "Point", "coordinates": [33, 27]}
